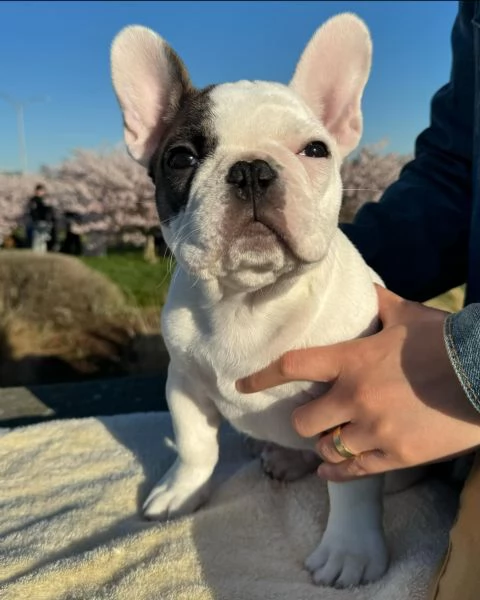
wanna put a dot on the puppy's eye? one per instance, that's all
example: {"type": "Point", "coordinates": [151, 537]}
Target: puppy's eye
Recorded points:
{"type": "Point", "coordinates": [181, 158]}
{"type": "Point", "coordinates": [316, 150]}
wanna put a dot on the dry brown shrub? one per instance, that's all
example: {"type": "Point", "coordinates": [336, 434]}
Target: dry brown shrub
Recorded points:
{"type": "Point", "coordinates": [61, 320]}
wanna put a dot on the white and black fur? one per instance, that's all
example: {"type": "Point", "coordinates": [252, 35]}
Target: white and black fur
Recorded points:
{"type": "Point", "coordinates": [248, 190]}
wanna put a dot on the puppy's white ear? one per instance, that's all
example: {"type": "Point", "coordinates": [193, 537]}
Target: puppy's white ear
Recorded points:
{"type": "Point", "coordinates": [331, 76]}
{"type": "Point", "coordinates": [149, 80]}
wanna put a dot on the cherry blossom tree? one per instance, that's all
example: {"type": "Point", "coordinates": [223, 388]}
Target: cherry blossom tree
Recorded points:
{"type": "Point", "coordinates": [15, 189]}
{"type": "Point", "coordinates": [112, 195]}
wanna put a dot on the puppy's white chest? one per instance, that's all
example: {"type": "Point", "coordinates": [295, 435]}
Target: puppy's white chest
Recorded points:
{"type": "Point", "coordinates": [216, 354]}
{"type": "Point", "coordinates": [215, 344]}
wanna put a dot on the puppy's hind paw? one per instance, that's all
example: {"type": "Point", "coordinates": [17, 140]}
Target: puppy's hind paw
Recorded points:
{"type": "Point", "coordinates": [285, 464]}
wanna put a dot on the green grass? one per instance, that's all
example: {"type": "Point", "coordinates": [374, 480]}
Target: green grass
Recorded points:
{"type": "Point", "coordinates": [144, 284]}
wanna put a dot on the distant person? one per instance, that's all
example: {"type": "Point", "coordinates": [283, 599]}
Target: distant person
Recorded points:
{"type": "Point", "coordinates": [41, 222]}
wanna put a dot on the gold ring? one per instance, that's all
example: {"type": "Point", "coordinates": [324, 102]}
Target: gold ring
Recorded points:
{"type": "Point", "coordinates": [340, 446]}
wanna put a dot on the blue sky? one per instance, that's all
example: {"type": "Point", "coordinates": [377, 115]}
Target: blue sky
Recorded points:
{"type": "Point", "coordinates": [61, 50]}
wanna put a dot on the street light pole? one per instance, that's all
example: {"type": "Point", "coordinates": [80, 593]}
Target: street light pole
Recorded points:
{"type": "Point", "coordinates": [19, 107]}
{"type": "Point", "coordinates": [21, 137]}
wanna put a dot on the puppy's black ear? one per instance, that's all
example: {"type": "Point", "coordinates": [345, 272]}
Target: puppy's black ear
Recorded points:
{"type": "Point", "coordinates": [331, 76]}
{"type": "Point", "coordinates": [149, 80]}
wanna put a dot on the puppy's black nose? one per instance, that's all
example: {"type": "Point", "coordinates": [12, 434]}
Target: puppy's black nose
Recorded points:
{"type": "Point", "coordinates": [256, 175]}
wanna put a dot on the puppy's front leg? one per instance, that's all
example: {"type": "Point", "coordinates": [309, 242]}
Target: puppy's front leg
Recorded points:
{"type": "Point", "coordinates": [196, 421]}
{"type": "Point", "coordinates": [353, 548]}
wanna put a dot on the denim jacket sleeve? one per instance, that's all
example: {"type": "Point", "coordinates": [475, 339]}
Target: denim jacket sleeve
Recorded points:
{"type": "Point", "coordinates": [416, 236]}
{"type": "Point", "coordinates": [462, 337]}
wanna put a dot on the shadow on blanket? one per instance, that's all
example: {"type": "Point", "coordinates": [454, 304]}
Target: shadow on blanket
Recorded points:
{"type": "Point", "coordinates": [254, 530]}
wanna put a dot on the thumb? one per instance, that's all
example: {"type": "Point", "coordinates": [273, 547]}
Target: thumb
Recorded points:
{"type": "Point", "coordinates": [391, 307]}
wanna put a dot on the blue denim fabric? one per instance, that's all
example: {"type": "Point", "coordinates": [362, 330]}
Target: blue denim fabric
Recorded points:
{"type": "Point", "coordinates": [462, 336]}
{"type": "Point", "coordinates": [423, 236]}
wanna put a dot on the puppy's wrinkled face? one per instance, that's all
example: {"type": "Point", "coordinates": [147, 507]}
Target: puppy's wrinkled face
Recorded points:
{"type": "Point", "coordinates": [246, 174]}
{"type": "Point", "coordinates": [247, 183]}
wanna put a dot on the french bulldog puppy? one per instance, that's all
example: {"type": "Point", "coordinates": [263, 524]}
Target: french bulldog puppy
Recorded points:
{"type": "Point", "coordinates": [248, 190]}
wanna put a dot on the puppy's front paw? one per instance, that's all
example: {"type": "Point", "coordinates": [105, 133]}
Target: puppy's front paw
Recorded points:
{"type": "Point", "coordinates": [349, 561]}
{"type": "Point", "coordinates": [175, 496]}
{"type": "Point", "coordinates": [286, 464]}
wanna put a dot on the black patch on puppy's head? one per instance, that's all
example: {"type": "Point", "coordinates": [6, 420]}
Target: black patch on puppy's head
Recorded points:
{"type": "Point", "coordinates": [192, 128]}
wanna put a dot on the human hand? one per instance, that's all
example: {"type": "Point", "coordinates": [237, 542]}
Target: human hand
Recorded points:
{"type": "Point", "coordinates": [395, 393]}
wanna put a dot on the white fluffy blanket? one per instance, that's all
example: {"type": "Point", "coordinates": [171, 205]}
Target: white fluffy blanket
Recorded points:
{"type": "Point", "coordinates": [70, 526]}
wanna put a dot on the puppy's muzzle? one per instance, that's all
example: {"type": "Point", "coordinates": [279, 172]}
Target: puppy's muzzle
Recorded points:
{"type": "Point", "coordinates": [251, 180]}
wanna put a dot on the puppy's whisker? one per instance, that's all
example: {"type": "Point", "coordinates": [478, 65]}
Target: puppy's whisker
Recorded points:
{"type": "Point", "coordinates": [360, 190]}
{"type": "Point", "coordinates": [175, 275]}
{"type": "Point", "coordinates": [174, 244]}
{"type": "Point", "coordinates": [195, 282]}
{"type": "Point", "coordinates": [167, 222]}
{"type": "Point", "coordinates": [181, 240]}
{"type": "Point", "coordinates": [179, 232]}
{"type": "Point", "coordinates": [181, 229]}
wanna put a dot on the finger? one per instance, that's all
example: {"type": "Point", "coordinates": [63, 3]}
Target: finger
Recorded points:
{"type": "Point", "coordinates": [353, 437]}
{"type": "Point", "coordinates": [363, 465]}
{"type": "Point", "coordinates": [322, 414]}
{"type": "Point", "coordinates": [309, 364]}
